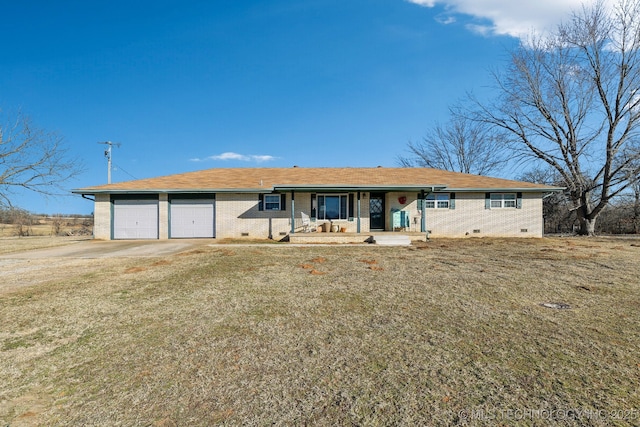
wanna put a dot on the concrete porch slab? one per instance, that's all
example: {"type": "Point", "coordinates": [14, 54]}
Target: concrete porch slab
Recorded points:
{"type": "Point", "coordinates": [362, 238]}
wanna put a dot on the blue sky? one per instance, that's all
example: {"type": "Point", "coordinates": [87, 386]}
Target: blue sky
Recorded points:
{"type": "Point", "coordinates": [190, 85]}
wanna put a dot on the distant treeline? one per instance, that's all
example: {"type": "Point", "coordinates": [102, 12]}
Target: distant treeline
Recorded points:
{"type": "Point", "coordinates": [15, 215]}
{"type": "Point", "coordinates": [19, 222]}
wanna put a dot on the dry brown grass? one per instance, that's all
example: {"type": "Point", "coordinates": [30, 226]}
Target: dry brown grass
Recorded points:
{"type": "Point", "coordinates": [18, 244]}
{"type": "Point", "coordinates": [246, 335]}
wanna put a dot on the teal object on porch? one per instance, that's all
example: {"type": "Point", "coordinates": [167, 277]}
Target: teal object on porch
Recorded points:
{"type": "Point", "coordinates": [399, 219]}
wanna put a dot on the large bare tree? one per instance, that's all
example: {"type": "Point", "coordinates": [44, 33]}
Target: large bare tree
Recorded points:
{"type": "Point", "coordinates": [571, 100]}
{"type": "Point", "coordinates": [460, 145]}
{"type": "Point", "coordinates": [32, 159]}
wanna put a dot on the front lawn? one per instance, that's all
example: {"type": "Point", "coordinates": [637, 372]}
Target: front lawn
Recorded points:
{"type": "Point", "coordinates": [449, 332]}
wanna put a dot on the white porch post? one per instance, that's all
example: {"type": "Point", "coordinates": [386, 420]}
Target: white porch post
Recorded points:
{"type": "Point", "coordinates": [293, 213]}
{"type": "Point", "coordinates": [423, 212]}
{"type": "Point", "coordinates": [358, 229]}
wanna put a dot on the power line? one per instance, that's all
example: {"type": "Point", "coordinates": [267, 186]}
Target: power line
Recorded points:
{"type": "Point", "coordinates": [118, 167]}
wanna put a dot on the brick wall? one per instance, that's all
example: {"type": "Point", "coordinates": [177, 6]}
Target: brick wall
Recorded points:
{"type": "Point", "coordinates": [471, 219]}
{"type": "Point", "coordinates": [470, 215]}
{"type": "Point", "coordinates": [102, 217]}
{"type": "Point", "coordinates": [163, 216]}
{"type": "Point", "coordinates": [237, 216]}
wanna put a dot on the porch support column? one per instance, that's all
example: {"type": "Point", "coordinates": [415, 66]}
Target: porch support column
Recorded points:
{"type": "Point", "coordinates": [423, 212]}
{"type": "Point", "coordinates": [293, 212]}
{"type": "Point", "coordinates": [358, 229]}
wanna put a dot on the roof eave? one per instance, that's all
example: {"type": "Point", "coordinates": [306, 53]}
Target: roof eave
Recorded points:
{"type": "Point", "coordinates": [350, 187]}
{"type": "Point", "coordinates": [508, 189]}
{"type": "Point", "coordinates": [313, 187]}
{"type": "Point", "coordinates": [170, 190]}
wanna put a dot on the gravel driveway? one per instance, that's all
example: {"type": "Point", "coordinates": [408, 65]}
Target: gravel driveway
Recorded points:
{"type": "Point", "coordinates": [37, 266]}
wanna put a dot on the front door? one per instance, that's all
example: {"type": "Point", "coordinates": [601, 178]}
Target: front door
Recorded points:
{"type": "Point", "coordinates": [376, 211]}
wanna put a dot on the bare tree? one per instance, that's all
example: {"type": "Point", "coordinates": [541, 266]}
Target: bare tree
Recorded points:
{"type": "Point", "coordinates": [557, 212]}
{"type": "Point", "coordinates": [633, 197]}
{"type": "Point", "coordinates": [461, 145]}
{"type": "Point", "coordinates": [636, 207]}
{"type": "Point", "coordinates": [570, 100]}
{"type": "Point", "coordinates": [32, 159]}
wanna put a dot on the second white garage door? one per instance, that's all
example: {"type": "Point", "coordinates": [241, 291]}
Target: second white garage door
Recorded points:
{"type": "Point", "coordinates": [192, 218]}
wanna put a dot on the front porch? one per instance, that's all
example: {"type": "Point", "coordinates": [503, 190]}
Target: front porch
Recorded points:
{"type": "Point", "coordinates": [339, 237]}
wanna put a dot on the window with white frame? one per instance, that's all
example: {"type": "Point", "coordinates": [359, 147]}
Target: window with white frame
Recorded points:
{"type": "Point", "coordinates": [272, 202]}
{"type": "Point", "coordinates": [437, 201]}
{"type": "Point", "coordinates": [503, 200]}
{"type": "Point", "coordinates": [332, 206]}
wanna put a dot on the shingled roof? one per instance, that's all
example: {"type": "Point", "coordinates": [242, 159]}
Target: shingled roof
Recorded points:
{"type": "Point", "coordinates": [300, 178]}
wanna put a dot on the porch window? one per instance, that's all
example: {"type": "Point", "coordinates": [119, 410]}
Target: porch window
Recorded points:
{"type": "Point", "coordinates": [332, 206]}
{"type": "Point", "coordinates": [437, 201]}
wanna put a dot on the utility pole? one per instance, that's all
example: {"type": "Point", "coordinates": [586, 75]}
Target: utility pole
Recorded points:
{"type": "Point", "coordinates": [107, 154]}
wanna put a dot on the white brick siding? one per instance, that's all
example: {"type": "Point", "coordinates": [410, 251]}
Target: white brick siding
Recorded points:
{"type": "Point", "coordinates": [470, 214]}
{"type": "Point", "coordinates": [102, 217]}
{"type": "Point", "coordinates": [237, 215]}
{"type": "Point", "coordinates": [163, 216]}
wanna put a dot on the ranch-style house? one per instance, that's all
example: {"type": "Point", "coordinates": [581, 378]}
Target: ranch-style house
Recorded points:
{"type": "Point", "coordinates": [283, 203]}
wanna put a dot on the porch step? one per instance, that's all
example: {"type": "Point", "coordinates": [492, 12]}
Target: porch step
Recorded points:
{"type": "Point", "coordinates": [391, 240]}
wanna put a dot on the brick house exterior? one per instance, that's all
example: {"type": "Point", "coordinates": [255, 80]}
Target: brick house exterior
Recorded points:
{"type": "Point", "coordinates": [269, 202]}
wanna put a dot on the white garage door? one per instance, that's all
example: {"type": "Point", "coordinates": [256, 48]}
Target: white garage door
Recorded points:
{"type": "Point", "coordinates": [192, 218]}
{"type": "Point", "coordinates": [135, 219]}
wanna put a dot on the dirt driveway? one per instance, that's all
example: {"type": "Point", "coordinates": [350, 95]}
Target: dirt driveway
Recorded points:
{"type": "Point", "coordinates": [38, 266]}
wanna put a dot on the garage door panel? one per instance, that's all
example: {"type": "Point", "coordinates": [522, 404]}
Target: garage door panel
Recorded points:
{"type": "Point", "coordinates": [135, 219]}
{"type": "Point", "coordinates": [192, 218]}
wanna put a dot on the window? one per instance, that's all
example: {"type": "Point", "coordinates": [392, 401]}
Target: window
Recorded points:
{"type": "Point", "coordinates": [272, 202]}
{"type": "Point", "coordinates": [503, 200]}
{"type": "Point", "coordinates": [332, 206]}
{"type": "Point", "coordinates": [437, 201]}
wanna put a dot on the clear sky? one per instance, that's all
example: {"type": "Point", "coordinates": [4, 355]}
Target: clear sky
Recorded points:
{"type": "Point", "coordinates": [189, 85]}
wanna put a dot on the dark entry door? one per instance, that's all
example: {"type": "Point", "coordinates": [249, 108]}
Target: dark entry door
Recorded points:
{"type": "Point", "coordinates": [376, 211]}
